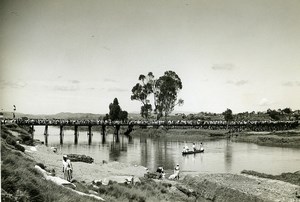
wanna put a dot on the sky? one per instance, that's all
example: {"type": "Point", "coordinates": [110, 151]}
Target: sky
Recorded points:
{"type": "Point", "coordinates": [77, 56]}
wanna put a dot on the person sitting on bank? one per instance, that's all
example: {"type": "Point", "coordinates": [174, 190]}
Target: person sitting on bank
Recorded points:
{"type": "Point", "coordinates": [67, 168]}
{"type": "Point", "coordinates": [161, 172]}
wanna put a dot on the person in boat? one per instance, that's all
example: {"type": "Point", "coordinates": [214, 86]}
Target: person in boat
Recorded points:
{"type": "Point", "coordinates": [194, 147]}
{"type": "Point", "coordinates": [186, 148]}
{"type": "Point", "coordinates": [67, 168]}
{"type": "Point", "coordinates": [176, 171]}
{"type": "Point", "coordinates": [201, 146]}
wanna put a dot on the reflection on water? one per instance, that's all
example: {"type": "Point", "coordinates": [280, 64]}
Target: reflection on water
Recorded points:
{"type": "Point", "coordinates": [219, 156]}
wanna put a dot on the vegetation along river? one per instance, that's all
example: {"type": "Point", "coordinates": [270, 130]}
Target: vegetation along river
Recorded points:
{"type": "Point", "coordinates": [220, 156]}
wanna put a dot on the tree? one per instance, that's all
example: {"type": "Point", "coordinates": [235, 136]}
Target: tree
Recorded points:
{"type": "Point", "coordinates": [114, 110]}
{"type": "Point", "coordinates": [141, 91]}
{"type": "Point", "coordinates": [228, 115]}
{"type": "Point", "coordinates": [123, 116]}
{"type": "Point", "coordinates": [275, 115]}
{"type": "Point", "coordinates": [287, 110]}
{"type": "Point", "coordinates": [166, 90]}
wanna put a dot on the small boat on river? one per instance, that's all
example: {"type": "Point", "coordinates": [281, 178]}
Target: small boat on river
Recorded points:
{"type": "Point", "coordinates": [193, 152]}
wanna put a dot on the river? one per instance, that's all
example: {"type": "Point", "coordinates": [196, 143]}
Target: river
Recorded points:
{"type": "Point", "coordinates": [220, 156]}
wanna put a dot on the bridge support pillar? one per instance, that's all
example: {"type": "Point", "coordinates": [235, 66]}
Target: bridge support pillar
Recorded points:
{"type": "Point", "coordinates": [76, 135]}
{"type": "Point", "coordinates": [46, 135]}
{"type": "Point", "coordinates": [103, 133]}
{"type": "Point", "coordinates": [129, 129]}
{"type": "Point", "coordinates": [90, 134]}
{"type": "Point", "coordinates": [61, 134]}
{"type": "Point", "coordinates": [117, 132]}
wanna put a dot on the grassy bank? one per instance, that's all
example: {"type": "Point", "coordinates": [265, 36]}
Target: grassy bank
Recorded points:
{"type": "Point", "coordinates": [280, 139]}
{"type": "Point", "coordinates": [180, 134]}
{"type": "Point", "coordinates": [293, 178]}
{"type": "Point", "coordinates": [20, 181]}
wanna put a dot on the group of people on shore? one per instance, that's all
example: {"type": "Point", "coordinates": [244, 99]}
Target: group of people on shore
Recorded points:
{"type": "Point", "coordinates": [186, 148]}
{"type": "Point", "coordinates": [175, 175]}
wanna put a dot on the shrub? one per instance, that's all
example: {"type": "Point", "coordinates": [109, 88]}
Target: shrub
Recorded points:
{"type": "Point", "coordinates": [10, 140]}
{"type": "Point", "coordinates": [20, 148]}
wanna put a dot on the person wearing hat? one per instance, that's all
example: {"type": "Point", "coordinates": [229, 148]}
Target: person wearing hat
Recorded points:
{"type": "Point", "coordinates": [176, 171]}
{"type": "Point", "coordinates": [67, 168]}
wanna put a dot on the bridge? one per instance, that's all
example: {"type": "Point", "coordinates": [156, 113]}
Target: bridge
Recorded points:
{"type": "Point", "coordinates": [233, 126]}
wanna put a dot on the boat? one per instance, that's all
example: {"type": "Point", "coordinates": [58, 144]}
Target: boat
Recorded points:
{"type": "Point", "coordinates": [193, 152]}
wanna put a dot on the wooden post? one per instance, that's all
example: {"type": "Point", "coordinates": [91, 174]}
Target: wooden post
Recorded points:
{"type": "Point", "coordinates": [76, 134]}
{"type": "Point", "coordinates": [61, 134]}
{"type": "Point", "coordinates": [46, 135]}
{"type": "Point", "coordinates": [90, 134]}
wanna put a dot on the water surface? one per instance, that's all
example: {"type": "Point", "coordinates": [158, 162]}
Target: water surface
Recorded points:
{"type": "Point", "coordinates": [221, 156]}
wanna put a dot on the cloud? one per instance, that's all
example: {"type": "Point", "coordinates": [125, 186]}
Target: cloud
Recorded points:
{"type": "Point", "coordinates": [65, 88]}
{"type": "Point", "coordinates": [117, 90]}
{"type": "Point", "coordinates": [75, 81]}
{"type": "Point", "coordinates": [223, 67]}
{"type": "Point", "coordinates": [291, 83]}
{"type": "Point", "coordinates": [238, 83]}
{"type": "Point", "coordinates": [12, 84]}
{"type": "Point", "coordinates": [71, 85]}
{"type": "Point", "coordinates": [264, 102]}
{"type": "Point", "coordinates": [110, 80]}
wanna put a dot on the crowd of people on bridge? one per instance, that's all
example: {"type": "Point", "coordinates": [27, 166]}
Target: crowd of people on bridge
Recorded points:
{"type": "Point", "coordinates": [233, 126]}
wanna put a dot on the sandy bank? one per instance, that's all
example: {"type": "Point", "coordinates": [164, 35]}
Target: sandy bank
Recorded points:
{"type": "Point", "coordinates": [84, 171]}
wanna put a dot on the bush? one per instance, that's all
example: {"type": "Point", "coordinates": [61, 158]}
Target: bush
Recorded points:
{"type": "Point", "coordinates": [11, 141]}
{"type": "Point", "coordinates": [20, 148]}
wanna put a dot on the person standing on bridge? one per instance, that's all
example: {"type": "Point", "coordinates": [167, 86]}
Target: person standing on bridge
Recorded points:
{"type": "Point", "coordinates": [67, 168]}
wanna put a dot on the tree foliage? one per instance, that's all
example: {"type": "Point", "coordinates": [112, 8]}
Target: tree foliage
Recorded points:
{"type": "Point", "coordinates": [141, 91]}
{"type": "Point", "coordinates": [275, 115]}
{"type": "Point", "coordinates": [228, 115]}
{"type": "Point", "coordinates": [164, 90]}
{"type": "Point", "coordinates": [115, 111]}
{"type": "Point", "coordinates": [167, 87]}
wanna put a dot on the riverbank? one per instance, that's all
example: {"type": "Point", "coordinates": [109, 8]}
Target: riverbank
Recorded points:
{"type": "Point", "coordinates": [210, 187]}
{"type": "Point", "coordinates": [289, 138]}
{"type": "Point", "coordinates": [181, 134]}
